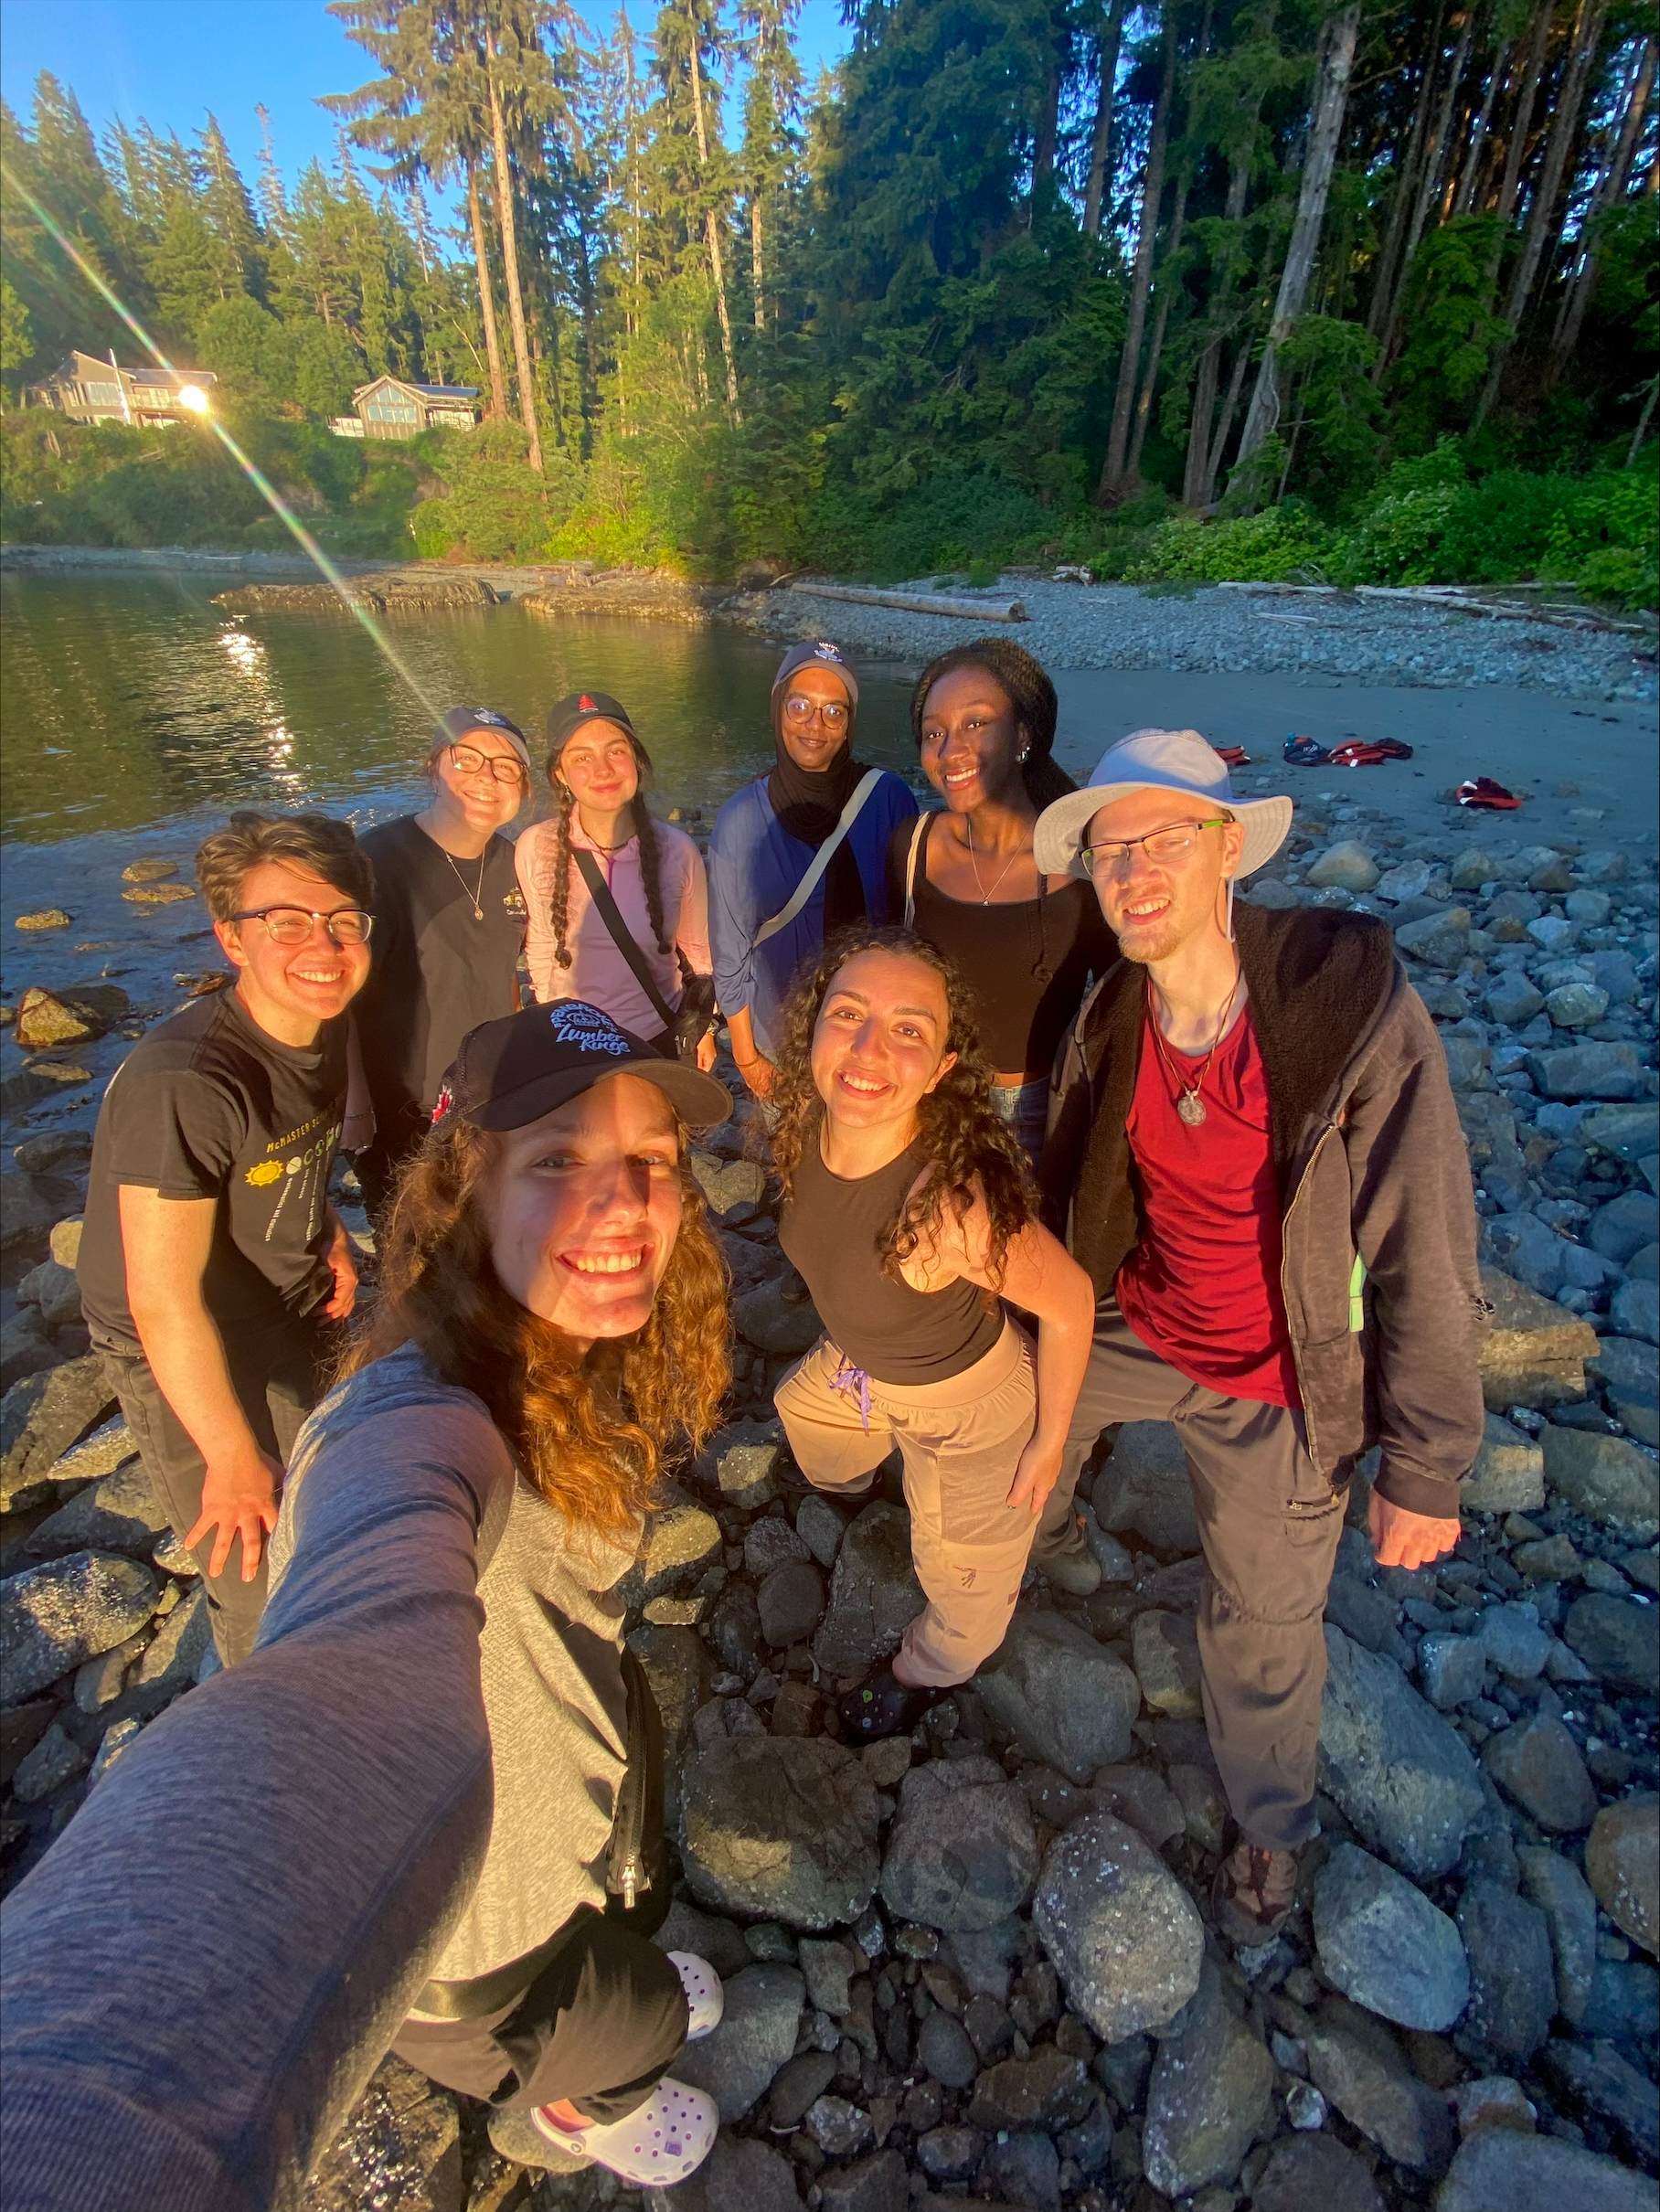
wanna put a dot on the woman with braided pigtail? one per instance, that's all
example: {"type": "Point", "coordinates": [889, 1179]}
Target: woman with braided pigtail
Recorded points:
{"type": "Point", "coordinates": [603, 847]}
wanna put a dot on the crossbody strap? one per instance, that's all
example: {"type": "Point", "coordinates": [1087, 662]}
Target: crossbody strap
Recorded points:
{"type": "Point", "coordinates": [918, 837]}
{"type": "Point", "coordinates": [623, 937]}
{"type": "Point", "coordinates": [821, 859]}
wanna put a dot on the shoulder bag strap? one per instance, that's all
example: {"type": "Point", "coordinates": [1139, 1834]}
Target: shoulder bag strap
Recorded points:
{"type": "Point", "coordinates": [918, 837]}
{"type": "Point", "coordinates": [821, 859]}
{"type": "Point", "coordinates": [623, 937]}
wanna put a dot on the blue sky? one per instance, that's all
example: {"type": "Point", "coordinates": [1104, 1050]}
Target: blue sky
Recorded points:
{"type": "Point", "coordinates": [172, 60]}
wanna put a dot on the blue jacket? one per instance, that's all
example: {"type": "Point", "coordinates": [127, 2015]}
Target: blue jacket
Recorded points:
{"type": "Point", "coordinates": [754, 867]}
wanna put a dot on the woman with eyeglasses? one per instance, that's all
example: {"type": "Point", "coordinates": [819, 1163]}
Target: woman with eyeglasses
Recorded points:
{"type": "Point", "coordinates": [449, 927]}
{"type": "Point", "coordinates": [797, 855]}
{"type": "Point", "coordinates": [1026, 944]}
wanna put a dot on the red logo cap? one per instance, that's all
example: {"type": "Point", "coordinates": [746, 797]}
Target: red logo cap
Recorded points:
{"type": "Point", "coordinates": [588, 705]}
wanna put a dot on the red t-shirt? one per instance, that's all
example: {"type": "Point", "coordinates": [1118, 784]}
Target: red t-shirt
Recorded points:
{"type": "Point", "coordinates": [1202, 1289]}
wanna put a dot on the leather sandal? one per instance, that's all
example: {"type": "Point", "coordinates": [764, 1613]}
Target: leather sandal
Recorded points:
{"type": "Point", "coordinates": [1253, 1894]}
{"type": "Point", "coordinates": [883, 1705]}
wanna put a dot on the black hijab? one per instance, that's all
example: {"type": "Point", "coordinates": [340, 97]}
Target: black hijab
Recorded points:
{"type": "Point", "coordinates": [809, 802]}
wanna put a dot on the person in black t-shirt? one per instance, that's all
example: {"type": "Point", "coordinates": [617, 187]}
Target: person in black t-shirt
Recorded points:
{"type": "Point", "coordinates": [211, 1258]}
{"type": "Point", "coordinates": [449, 923]}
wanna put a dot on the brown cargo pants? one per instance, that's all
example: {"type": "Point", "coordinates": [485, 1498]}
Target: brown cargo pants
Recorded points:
{"type": "Point", "coordinates": [960, 1441]}
{"type": "Point", "coordinates": [1269, 1522]}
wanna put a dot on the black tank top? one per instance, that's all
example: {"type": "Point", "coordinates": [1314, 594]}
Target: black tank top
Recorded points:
{"type": "Point", "coordinates": [831, 1229]}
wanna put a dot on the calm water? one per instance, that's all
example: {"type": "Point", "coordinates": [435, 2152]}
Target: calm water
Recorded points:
{"type": "Point", "coordinates": [134, 714]}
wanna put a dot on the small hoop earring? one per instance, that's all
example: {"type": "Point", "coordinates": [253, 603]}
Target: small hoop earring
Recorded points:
{"type": "Point", "coordinates": [1022, 757]}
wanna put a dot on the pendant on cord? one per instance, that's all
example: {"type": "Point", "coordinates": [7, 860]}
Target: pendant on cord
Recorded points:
{"type": "Point", "coordinates": [1190, 1108]}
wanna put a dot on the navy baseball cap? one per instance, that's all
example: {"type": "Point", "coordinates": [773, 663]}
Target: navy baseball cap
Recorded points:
{"type": "Point", "coordinates": [511, 1071]}
{"type": "Point", "coordinates": [462, 722]}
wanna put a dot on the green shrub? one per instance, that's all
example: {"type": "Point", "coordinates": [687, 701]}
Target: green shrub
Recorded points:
{"type": "Point", "coordinates": [1252, 549]}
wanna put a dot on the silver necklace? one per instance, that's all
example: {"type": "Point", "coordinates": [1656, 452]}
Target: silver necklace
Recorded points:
{"type": "Point", "coordinates": [1189, 1106]}
{"type": "Point", "coordinates": [477, 896]}
{"type": "Point", "coordinates": [986, 896]}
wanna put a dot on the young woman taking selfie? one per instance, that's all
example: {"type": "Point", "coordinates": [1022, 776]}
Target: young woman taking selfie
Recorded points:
{"type": "Point", "coordinates": [908, 1213]}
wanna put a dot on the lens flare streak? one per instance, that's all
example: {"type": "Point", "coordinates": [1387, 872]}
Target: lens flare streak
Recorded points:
{"type": "Point", "coordinates": [193, 397]}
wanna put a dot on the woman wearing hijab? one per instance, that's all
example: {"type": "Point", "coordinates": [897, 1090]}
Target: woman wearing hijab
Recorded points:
{"type": "Point", "coordinates": [797, 855]}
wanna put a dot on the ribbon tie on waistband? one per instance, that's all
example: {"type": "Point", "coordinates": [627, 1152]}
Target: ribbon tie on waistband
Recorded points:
{"type": "Point", "coordinates": [856, 1383]}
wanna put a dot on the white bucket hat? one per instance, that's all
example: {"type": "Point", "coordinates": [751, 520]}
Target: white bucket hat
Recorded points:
{"type": "Point", "coordinates": [1176, 760]}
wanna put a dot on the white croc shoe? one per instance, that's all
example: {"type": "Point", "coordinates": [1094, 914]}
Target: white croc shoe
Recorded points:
{"type": "Point", "coordinates": [705, 1998]}
{"type": "Point", "coordinates": [663, 2142]}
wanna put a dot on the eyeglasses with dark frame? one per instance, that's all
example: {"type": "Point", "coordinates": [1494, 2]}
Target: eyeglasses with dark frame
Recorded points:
{"type": "Point", "coordinates": [467, 761]}
{"type": "Point", "coordinates": [1174, 842]}
{"type": "Point", "coordinates": [835, 714]}
{"type": "Point", "coordinates": [294, 925]}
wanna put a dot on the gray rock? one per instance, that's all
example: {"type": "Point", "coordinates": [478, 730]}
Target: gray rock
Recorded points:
{"type": "Point", "coordinates": [874, 1592]}
{"type": "Point", "coordinates": [821, 1528]}
{"type": "Point", "coordinates": [1383, 1943]}
{"type": "Point", "coordinates": [739, 2175]}
{"type": "Point", "coordinates": [781, 1828]}
{"type": "Point", "coordinates": [1512, 1975]}
{"type": "Point", "coordinates": [1120, 1930]}
{"type": "Point", "coordinates": [56, 1617]}
{"type": "Point", "coordinates": [1345, 866]}
{"type": "Point", "coordinates": [678, 1666]}
{"type": "Point", "coordinates": [1135, 1794]}
{"type": "Point", "coordinates": [1452, 1669]}
{"type": "Point", "coordinates": [1514, 1642]}
{"type": "Point", "coordinates": [1624, 1225]}
{"type": "Point", "coordinates": [731, 1187]}
{"type": "Point", "coordinates": [1398, 1771]}
{"type": "Point", "coordinates": [1144, 1489]}
{"type": "Point", "coordinates": [789, 1603]}
{"type": "Point", "coordinates": [1598, 2079]}
{"type": "Point", "coordinates": [1439, 941]}
{"type": "Point", "coordinates": [776, 1325]}
{"type": "Point", "coordinates": [55, 1291]}
{"type": "Point", "coordinates": [1623, 1866]}
{"type": "Point", "coordinates": [1115, 1562]}
{"type": "Point", "coordinates": [1605, 1478]}
{"type": "Point", "coordinates": [838, 2127]}
{"type": "Point", "coordinates": [401, 2145]}
{"type": "Point", "coordinates": [1633, 1309]}
{"type": "Point", "coordinates": [1366, 1615]}
{"type": "Point", "coordinates": [706, 1936]}
{"type": "Point", "coordinates": [118, 1514]}
{"type": "Point", "coordinates": [1615, 973]}
{"type": "Point", "coordinates": [1509, 1475]}
{"type": "Point", "coordinates": [114, 1741]}
{"type": "Point", "coordinates": [771, 1542]}
{"type": "Point", "coordinates": [963, 1853]}
{"type": "Point", "coordinates": [1046, 2090]}
{"type": "Point", "coordinates": [1576, 1005]}
{"type": "Point", "coordinates": [1586, 1071]}
{"type": "Point", "coordinates": [1498, 2170]}
{"type": "Point", "coordinates": [950, 2154]}
{"type": "Point", "coordinates": [829, 1967]}
{"type": "Point", "coordinates": [738, 1463]}
{"type": "Point", "coordinates": [736, 2063]}
{"type": "Point", "coordinates": [877, 2184]}
{"type": "Point", "coordinates": [1535, 1352]}
{"type": "Point", "coordinates": [1624, 2004]}
{"type": "Point", "coordinates": [1630, 1133]}
{"type": "Point", "coordinates": [1356, 2063]}
{"type": "Point", "coordinates": [1067, 1700]}
{"type": "Point", "coordinates": [1631, 1374]}
{"type": "Point", "coordinates": [1314, 2174]}
{"type": "Point", "coordinates": [1210, 2096]}
{"type": "Point", "coordinates": [1512, 1000]}
{"type": "Point", "coordinates": [1616, 1640]}
{"type": "Point", "coordinates": [1025, 2170]}
{"type": "Point", "coordinates": [54, 1760]}
{"type": "Point", "coordinates": [40, 1418]}
{"type": "Point", "coordinates": [1562, 1894]}
{"type": "Point", "coordinates": [798, 2086]}
{"type": "Point", "coordinates": [1166, 1650]}
{"type": "Point", "coordinates": [1534, 1254]}
{"type": "Point", "coordinates": [175, 1651]}
{"type": "Point", "coordinates": [1538, 1766]}
{"type": "Point", "coordinates": [681, 1540]}
{"type": "Point", "coordinates": [944, 2051]}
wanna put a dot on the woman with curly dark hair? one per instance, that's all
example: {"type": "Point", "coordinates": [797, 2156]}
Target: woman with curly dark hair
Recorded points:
{"type": "Point", "coordinates": [909, 1212]}
{"type": "Point", "coordinates": [618, 902]}
{"type": "Point", "coordinates": [984, 718]}
{"type": "Point", "coordinates": [552, 1316]}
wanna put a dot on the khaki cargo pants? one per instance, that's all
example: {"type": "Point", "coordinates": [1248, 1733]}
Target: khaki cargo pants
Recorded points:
{"type": "Point", "coordinates": [961, 1442]}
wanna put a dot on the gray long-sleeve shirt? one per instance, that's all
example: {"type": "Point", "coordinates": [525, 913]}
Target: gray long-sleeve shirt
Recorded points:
{"type": "Point", "coordinates": [198, 1978]}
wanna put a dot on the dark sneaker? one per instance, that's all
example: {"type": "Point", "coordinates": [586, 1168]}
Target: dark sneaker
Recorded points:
{"type": "Point", "coordinates": [1254, 1893]}
{"type": "Point", "coordinates": [883, 1705]}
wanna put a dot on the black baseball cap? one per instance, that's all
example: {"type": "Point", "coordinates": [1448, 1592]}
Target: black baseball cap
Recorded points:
{"type": "Point", "coordinates": [511, 1071]}
{"type": "Point", "coordinates": [566, 716]}
{"type": "Point", "coordinates": [462, 722]}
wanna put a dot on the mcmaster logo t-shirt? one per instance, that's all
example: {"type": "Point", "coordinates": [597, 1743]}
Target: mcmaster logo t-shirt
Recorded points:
{"type": "Point", "coordinates": [209, 1106]}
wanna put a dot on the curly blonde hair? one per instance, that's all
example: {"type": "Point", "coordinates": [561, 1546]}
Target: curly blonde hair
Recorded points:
{"type": "Point", "coordinates": [971, 1149]}
{"type": "Point", "coordinates": [590, 1430]}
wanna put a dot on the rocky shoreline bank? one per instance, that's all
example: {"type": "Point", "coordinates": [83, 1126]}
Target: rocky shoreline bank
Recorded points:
{"type": "Point", "coordinates": [976, 1963]}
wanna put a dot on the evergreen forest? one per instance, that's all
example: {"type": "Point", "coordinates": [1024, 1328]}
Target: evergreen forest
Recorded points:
{"type": "Point", "coordinates": [1168, 289]}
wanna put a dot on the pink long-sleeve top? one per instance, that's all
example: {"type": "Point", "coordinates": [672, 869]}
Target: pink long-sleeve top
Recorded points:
{"type": "Point", "coordinates": [598, 972]}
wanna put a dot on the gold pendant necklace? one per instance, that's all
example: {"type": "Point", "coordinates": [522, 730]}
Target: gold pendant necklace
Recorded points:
{"type": "Point", "coordinates": [477, 896]}
{"type": "Point", "coordinates": [986, 896]}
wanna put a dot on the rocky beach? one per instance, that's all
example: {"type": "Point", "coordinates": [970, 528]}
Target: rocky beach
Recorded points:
{"type": "Point", "coordinates": [977, 1962]}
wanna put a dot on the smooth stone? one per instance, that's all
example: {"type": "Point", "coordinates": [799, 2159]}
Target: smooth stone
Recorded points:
{"type": "Point", "coordinates": [1601, 2082]}
{"type": "Point", "coordinates": [739, 2175]}
{"type": "Point", "coordinates": [1634, 1308]}
{"type": "Point", "coordinates": [54, 1618]}
{"type": "Point", "coordinates": [1607, 1479]}
{"type": "Point", "coordinates": [176, 1651]}
{"type": "Point", "coordinates": [1623, 1866]}
{"type": "Point", "coordinates": [678, 1665]}
{"type": "Point", "coordinates": [780, 1828]}
{"type": "Point", "coordinates": [1210, 2096]}
{"type": "Point", "coordinates": [1630, 1133]}
{"type": "Point", "coordinates": [1144, 1489]}
{"type": "Point", "coordinates": [1576, 1005]}
{"type": "Point", "coordinates": [1512, 1975]}
{"type": "Point", "coordinates": [1616, 1639]}
{"type": "Point", "coordinates": [1439, 941]}
{"type": "Point", "coordinates": [1514, 1642]}
{"type": "Point", "coordinates": [1585, 1071]}
{"type": "Point", "coordinates": [1047, 2090]}
{"type": "Point", "coordinates": [1538, 1766]}
{"type": "Point", "coordinates": [770, 1543]}
{"type": "Point", "coordinates": [681, 1541]}
{"type": "Point", "coordinates": [1509, 1475]}
{"type": "Point", "coordinates": [1314, 2174]}
{"type": "Point", "coordinates": [875, 2184]}
{"type": "Point", "coordinates": [945, 2052]}
{"type": "Point", "coordinates": [40, 1419]}
{"type": "Point", "coordinates": [963, 1853]}
{"type": "Point", "coordinates": [773, 1324]}
{"type": "Point", "coordinates": [738, 1461]}
{"type": "Point", "coordinates": [729, 1186]}
{"type": "Point", "coordinates": [1383, 1943]}
{"type": "Point", "coordinates": [1065, 1698]}
{"type": "Point", "coordinates": [54, 1762]}
{"type": "Point", "coordinates": [874, 1592]}
{"type": "Point", "coordinates": [1560, 1892]}
{"type": "Point", "coordinates": [1624, 1225]}
{"type": "Point", "coordinates": [821, 1528]}
{"type": "Point", "coordinates": [736, 2063]}
{"type": "Point", "coordinates": [1123, 1934]}
{"type": "Point", "coordinates": [1399, 1772]}
{"type": "Point", "coordinates": [1631, 1374]}
{"type": "Point", "coordinates": [1624, 2003]}
{"type": "Point", "coordinates": [1025, 2170]}
{"type": "Point", "coordinates": [791, 1602]}
{"type": "Point", "coordinates": [1345, 866]}
{"type": "Point", "coordinates": [1166, 1655]}
{"type": "Point", "coordinates": [1499, 2170]}
{"type": "Point", "coordinates": [1357, 2064]}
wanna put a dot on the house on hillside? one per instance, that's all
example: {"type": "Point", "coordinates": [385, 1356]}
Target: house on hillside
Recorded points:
{"type": "Point", "coordinates": [89, 390]}
{"type": "Point", "coordinates": [387, 407]}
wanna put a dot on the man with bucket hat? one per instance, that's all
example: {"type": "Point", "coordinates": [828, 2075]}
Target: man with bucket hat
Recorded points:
{"type": "Point", "coordinates": [1253, 1150]}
